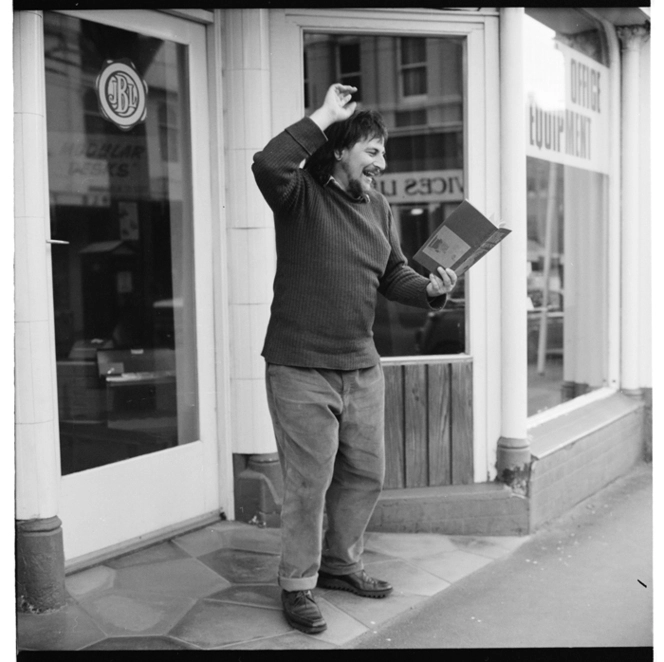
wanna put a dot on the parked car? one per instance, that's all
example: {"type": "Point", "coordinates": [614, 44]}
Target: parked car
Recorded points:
{"type": "Point", "coordinates": [444, 331]}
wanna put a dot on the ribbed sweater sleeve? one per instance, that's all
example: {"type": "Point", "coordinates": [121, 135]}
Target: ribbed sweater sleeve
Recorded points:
{"type": "Point", "coordinates": [334, 253]}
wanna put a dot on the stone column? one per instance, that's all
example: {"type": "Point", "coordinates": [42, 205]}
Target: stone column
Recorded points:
{"type": "Point", "coordinates": [252, 260]}
{"type": "Point", "coordinates": [39, 546]}
{"type": "Point", "coordinates": [250, 227]}
{"type": "Point", "coordinates": [631, 295]}
{"type": "Point", "coordinates": [513, 452]}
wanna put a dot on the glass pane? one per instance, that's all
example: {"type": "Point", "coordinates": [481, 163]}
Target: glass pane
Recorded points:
{"type": "Point", "coordinates": [120, 195]}
{"type": "Point", "coordinates": [414, 81]}
{"type": "Point", "coordinates": [567, 170]}
{"type": "Point", "coordinates": [413, 50]}
{"type": "Point", "coordinates": [424, 180]}
{"type": "Point", "coordinates": [349, 58]}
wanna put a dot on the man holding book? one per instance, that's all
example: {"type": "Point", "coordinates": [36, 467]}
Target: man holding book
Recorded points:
{"type": "Point", "coordinates": [337, 247]}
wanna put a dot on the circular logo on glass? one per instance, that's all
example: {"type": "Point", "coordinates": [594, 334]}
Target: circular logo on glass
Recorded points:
{"type": "Point", "coordinates": [122, 94]}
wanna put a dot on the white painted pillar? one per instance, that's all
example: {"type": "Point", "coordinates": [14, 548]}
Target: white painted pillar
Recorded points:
{"type": "Point", "coordinates": [251, 245]}
{"type": "Point", "coordinates": [39, 548]}
{"type": "Point", "coordinates": [37, 439]}
{"type": "Point", "coordinates": [631, 295]}
{"type": "Point", "coordinates": [615, 201]}
{"type": "Point", "coordinates": [513, 453]}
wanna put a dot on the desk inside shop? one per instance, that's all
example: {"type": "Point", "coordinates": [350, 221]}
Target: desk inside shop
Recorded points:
{"type": "Point", "coordinates": [115, 404]}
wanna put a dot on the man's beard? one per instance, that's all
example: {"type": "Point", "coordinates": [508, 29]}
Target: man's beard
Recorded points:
{"type": "Point", "coordinates": [356, 188]}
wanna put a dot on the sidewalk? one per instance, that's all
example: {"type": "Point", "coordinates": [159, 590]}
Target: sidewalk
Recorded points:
{"type": "Point", "coordinates": [216, 588]}
{"type": "Point", "coordinates": [581, 582]}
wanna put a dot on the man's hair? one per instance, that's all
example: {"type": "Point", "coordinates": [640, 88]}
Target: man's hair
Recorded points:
{"type": "Point", "coordinates": [361, 125]}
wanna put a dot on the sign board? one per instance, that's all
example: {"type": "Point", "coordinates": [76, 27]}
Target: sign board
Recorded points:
{"type": "Point", "coordinates": [122, 94]}
{"type": "Point", "coordinates": [86, 164]}
{"type": "Point", "coordinates": [574, 130]}
{"type": "Point", "coordinates": [422, 186]}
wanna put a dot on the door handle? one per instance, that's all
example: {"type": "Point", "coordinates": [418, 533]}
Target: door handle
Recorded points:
{"type": "Point", "coordinates": [57, 241]}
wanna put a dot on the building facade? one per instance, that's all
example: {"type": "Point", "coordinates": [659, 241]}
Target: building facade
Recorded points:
{"type": "Point", "coordinates": [144, 258]}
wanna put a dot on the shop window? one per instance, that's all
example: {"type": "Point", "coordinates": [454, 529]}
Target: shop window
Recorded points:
{"type": "Point", "coordinates": [123, 289]}
{"type": "Point", "coordinates": [567, 86]}
{"type": "Point", "coordinates": [424, 180]}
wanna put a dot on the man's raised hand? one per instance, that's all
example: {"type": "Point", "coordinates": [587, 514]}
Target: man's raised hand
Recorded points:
{"type": "Point", "coordinates": [337, 106]}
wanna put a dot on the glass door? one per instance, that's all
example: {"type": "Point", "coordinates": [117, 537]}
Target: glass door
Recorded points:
{"type": "Point", "coordinates": [126, 268]}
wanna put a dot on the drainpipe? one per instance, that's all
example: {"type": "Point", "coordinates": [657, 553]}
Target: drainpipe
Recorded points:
{"type": "Point", "coordinates": [40, 566]}
{"type": "Point", "coordinates": [631, 37]}
{"type": "Point", "coordinates": [513, 452]}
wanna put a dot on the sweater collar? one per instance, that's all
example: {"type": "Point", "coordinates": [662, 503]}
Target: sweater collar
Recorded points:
{"type": "Point", "coordinates": [333, 182]}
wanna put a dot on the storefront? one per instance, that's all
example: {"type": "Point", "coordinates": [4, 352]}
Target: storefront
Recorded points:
{"type": "Point", "coordinates": [145, 257]}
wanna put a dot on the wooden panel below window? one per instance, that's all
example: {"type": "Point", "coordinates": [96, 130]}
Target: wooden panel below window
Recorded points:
{"type": "Point", "coordinates": [416, 425]}
{"type": "Point", "coordinates": [394, 412]}
{"type": "Point", "coordinates": [428, 424]}
{"type": "Point", "coordinates": [462, 423]}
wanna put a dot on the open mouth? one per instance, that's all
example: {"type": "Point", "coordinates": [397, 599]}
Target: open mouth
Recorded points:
{"type": "Point", "coordinates": [370, 174]}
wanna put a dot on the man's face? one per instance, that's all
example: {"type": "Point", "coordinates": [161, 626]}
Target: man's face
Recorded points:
{"type": "Point", "coordinates": [358, 166]}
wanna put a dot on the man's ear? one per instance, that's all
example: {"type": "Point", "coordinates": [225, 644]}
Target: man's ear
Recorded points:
{"type": "Point", "coordinates": [337, 154]}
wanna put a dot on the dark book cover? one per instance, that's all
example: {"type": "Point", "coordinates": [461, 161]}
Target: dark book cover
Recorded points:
{"type": "Point", "coordinates": [464, 237]}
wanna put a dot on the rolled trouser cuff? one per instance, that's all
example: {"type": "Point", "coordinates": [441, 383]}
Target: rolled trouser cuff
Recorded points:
{"type": "Point", "coordinates": [298, 583]}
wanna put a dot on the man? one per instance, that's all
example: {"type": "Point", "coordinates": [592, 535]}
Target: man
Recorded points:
{"type": "Point", "coordinates": [337, 248]}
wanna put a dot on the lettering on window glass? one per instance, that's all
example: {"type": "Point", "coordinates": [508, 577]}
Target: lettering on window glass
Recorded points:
{"type": "Point", "coordinates": [122, 94]}
{"type": "Point", "coordinates": [567, 114]}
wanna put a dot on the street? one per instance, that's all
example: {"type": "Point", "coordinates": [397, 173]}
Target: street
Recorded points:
{"type": "Point", "coordinates": [584, 580]}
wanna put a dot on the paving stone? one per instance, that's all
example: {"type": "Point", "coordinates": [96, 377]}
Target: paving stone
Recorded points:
{"type": "Point", "coordinates": [407, 578]}
{"type": "Point", "coordinates": [494, 547]}
{"type": "Point", "coordinates": [216, 588]}
{"type": "Point", "coordinates": [261, 595]}
{"type": "Point", "coordinates": [212, 624]}
{"type": "Point", "coordinates": [452, 566]}
{"type": "Point", "coordinates": [165, 551]}
{"type": "Point", "coordinates": [243, 567]}
{"type": "Point", "coordinates": [341, 628]}
{"type": "Point", "coordinates": [222, 536]}
{"type": "Point", "coordinates": [139, 644]}
{"type": "Point", "coordinates": [69, 628]}
{"type": "Point", "coordinates": [121, 612]}
{"type": "Point", "coordinates": [372, 556]}
{"type": "Point", "coordinates": [94, 579]}
{"type": "Point", "coordinates": [291, 641]}
{"type": "Point", "coordinates": [369, 611]}
{"type": "Point", "coordinates": [202, 541]}
{"type": "Point", "coordinates": [182, 577]}
{"type": "Point", "coordinates": [408, 545]}
{"type": "Point", "coordinates": [253, 539]}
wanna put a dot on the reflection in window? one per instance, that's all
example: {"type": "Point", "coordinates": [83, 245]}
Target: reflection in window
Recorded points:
{"type": "Point", "coordinates": [350, 72]}
{"type": "Point", "coordinates": [567, 186]}
{"type": "Point", "coordinates": [424, 180]}
{"type": "Point", "coordinates": [123, 289]}
{"type": "Point", "coordinates": [413, 66]}
{"type": "Point", "coordinates": [169, 138]}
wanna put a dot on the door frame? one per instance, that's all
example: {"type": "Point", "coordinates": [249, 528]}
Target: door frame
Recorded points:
{"type": "Point", "coordinates": [96, 501]}
{"type": "Point", "coordinates": [481, 158]}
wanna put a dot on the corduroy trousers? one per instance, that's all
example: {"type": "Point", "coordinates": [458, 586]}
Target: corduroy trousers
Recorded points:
{"type": "Point", "coordinates": [329, 428]}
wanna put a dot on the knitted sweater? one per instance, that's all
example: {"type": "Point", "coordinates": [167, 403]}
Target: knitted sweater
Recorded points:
{"type": "Point", "coordinates": [334, 253]}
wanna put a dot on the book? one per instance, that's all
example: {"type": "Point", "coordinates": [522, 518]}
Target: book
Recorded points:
{"type": "Point", "coordinates": [463, 238]}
